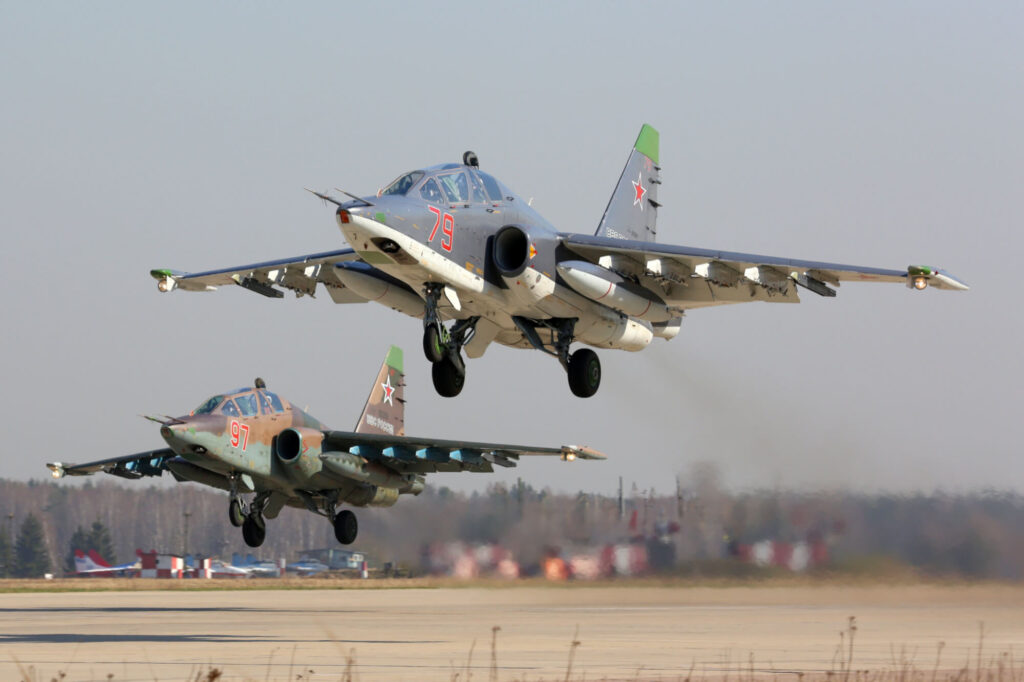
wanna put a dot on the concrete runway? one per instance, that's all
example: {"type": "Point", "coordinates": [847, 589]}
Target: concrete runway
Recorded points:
{"type": "Point", "coordinates": [425, 634]}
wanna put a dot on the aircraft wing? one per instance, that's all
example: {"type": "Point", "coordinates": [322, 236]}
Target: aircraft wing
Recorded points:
{"type": "Point", "coordinates": [148, 463]}
{"type": "Point", "coordinates": [691, 277]}
{"type": "Point", "coordinates": [426, 455]}
{"type": "Point", "coordinates": [300, 274]}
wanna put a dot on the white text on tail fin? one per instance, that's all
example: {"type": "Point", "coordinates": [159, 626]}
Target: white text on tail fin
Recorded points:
{"type": "Point", "coordinates": [384, 412]}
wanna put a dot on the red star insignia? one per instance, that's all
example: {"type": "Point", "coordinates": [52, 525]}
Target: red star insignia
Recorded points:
{"type": "Point", "coordinates": [638, 187]}
{"type": "Point", "coordinates": [533, 251]}
{"type": "Point", "coordinates": [388, 391]}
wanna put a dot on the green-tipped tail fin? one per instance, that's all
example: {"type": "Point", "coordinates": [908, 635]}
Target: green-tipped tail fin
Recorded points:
{"type": "Point", "coordinates": [384, 412]}
{"type": "Point", "coordinates": [632, 212]}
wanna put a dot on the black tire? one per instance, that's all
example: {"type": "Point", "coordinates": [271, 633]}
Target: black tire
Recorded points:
{"type": "Point", "coordinates": [253, 532]}
{"type": "Point", "coordinates": [584, 372]}
{"type": "Point", "coordinates": [346, 527]}
{"type": "Point", "coordinates": [235, 514]}
{"type": "Point", "coordinates": [432, 346]}
{"type": "Point", "coordinates": [448, 378]}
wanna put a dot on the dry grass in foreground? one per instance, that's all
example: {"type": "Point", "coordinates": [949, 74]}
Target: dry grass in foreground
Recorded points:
{"type": "Point", "coordinates": [978, 666]}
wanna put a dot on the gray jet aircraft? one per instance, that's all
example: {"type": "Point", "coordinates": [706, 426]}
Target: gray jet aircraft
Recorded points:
{"type": "Point", "coordinates": [252, 441]}
{"type": "Point", "coordinates": [451, 243]}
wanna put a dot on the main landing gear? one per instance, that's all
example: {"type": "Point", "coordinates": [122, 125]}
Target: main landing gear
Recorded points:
{"type": "Point", "coordinates": [582, 367]}
{"type": "Point", "coordinates": [345, 527]}
{"type": "Point", "coordinates": [254, 526]}
{"type": "Point", "coordinates": [584, 370]}
{"type": "Point", "coordinates": [443, 347]}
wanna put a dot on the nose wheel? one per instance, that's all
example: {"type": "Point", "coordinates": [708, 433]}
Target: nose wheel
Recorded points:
{"type": "Point", "coordinates": [346, 527]}
{"type": "Point", "coordinates": [433, 343]}
{"type": "Point", "coordinates": [236, 513]}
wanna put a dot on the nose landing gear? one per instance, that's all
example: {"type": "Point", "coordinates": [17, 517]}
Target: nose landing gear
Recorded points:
{"type": "Point", "coordinates": [236, 512]}
{"type": "Point", "coordinates": [249, 517]}
{"type": "Point", "coordinates": [443, 348]}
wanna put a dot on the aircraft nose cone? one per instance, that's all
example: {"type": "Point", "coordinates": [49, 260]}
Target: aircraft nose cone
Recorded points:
{"type": "Point", "coordinates": [171, 432]}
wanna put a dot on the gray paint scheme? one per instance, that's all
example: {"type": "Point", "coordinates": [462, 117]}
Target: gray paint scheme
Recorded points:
{"type": "Point", "coordinates": [401, 237]}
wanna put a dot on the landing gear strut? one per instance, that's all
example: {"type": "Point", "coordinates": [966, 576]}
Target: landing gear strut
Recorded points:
{"type": "Point", "coordinates": [346, 527]}
{"type": "Point", "coordinates": [236, 508]}
{"type": "Point", "coordinates": [582, 367]}
{"type": "Point", "coordinates": [443, 347]}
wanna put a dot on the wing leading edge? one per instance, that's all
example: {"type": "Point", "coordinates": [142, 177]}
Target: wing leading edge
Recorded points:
{"type": "Point", "coordinates": [300, 274]}
{"type": "Point", "coordinates": [674, 268]}
{"type": "Point", "coordinates": [427, 455]}
{"type": "Point", "coordinates": [139, 465]}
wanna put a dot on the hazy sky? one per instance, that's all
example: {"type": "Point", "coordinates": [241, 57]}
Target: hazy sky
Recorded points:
{"type": "Point", "coordinates": [142, 135]}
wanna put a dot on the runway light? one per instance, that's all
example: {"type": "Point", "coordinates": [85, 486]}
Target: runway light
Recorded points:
{"type": "Point", "coordinates": [920, 282]}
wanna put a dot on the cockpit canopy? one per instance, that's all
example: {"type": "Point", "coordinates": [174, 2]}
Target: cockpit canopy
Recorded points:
{"type": "Point", "coordinates": [244, 402]}
{"type": "Point", "coordinates": [450, 183]}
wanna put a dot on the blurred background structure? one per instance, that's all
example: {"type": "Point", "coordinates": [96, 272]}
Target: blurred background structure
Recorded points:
{"type": "Point", "coordinates": [698, 529]}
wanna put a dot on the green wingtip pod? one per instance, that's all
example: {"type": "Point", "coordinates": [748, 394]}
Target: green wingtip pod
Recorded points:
{"type": "Point", "coordinates": [647, 143]}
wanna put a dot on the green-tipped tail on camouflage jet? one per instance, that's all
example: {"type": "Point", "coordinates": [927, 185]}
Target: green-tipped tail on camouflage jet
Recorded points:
{"type": "Point", "coordinates": [252, 441]}
{"type": "Point", "coordinates": [452, 243]}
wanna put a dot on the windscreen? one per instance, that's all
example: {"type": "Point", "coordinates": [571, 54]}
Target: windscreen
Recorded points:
{"type": "Point", "coordinates": [209, 406]}
{"type": "Point", "coordinates": [403, 184]}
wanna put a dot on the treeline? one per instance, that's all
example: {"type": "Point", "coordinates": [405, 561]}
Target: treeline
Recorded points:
{"type": "Point", "coordinates": [977, 535]}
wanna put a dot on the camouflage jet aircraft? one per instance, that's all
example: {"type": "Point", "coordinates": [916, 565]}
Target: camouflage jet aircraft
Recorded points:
{"type": "Point", "coordinates": [252, 441]}
{"type": "Point", "coordinates": [451, 242]}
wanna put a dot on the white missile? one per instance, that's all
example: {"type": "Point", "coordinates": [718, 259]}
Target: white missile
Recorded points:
{"type": "Point", "coordinates": [605, 287]}
{"type": "Point", "coordinates": [381, 291]}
